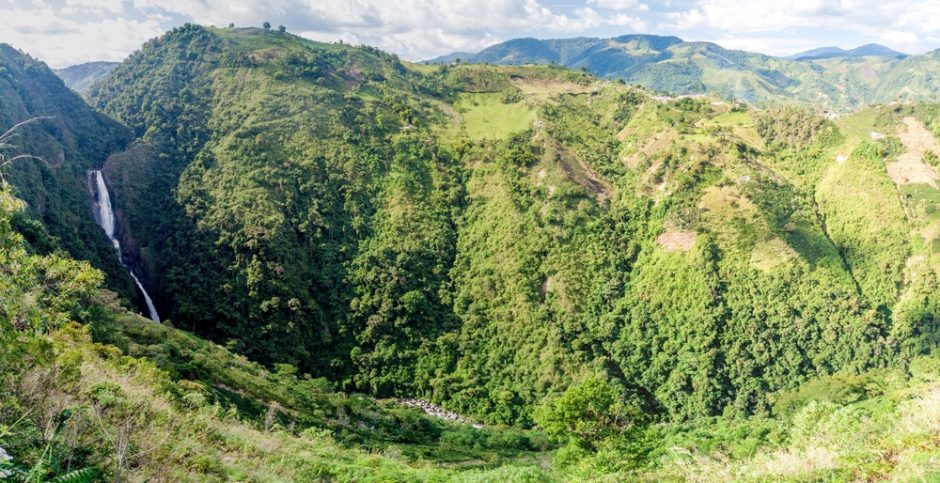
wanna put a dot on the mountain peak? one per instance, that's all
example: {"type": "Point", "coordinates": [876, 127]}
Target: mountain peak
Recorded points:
{"type": "Point", "coordinates": [528, 50]}
{"type": "Point", "coordinates": [867, 50]}
{"type": "Point", "coordinates": [876, 50]}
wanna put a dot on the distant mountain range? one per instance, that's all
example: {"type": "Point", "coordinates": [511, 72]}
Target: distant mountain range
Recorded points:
{"type": "Point", "coordinates": [829, 77]}
{"type": "Point", "coordinates": [867, 50]}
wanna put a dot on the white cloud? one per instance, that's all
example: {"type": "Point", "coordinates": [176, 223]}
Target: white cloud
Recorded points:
{"type": "Point", "coordinates": [338, 15]}
{"type": "Point", "coordinates": [904, 41]}
{"type": "Point", "coordinates": [95, 6]}
{"type": "Point", "coordinates": [70, 31]}
{"type": "Point", "coordinates": [416, 29]}
{"type": "Point", "coordinates": [910, 25]}
{"type": "Point", "coordinates": [588, 18]}
{"type": "Point", "coordinates": [767, 44]}
{"type": "Point", "coordinates": [634, 5]}
{"type": "Point", "coordinates": [46, 33]}
{"type": "Point", "coordinates": [684, 20]}
{"type": "Point", "coordinates": [753, 16]}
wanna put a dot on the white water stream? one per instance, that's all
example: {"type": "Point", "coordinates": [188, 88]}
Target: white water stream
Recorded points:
{"type": "Point", "coordinates": [105, 220]}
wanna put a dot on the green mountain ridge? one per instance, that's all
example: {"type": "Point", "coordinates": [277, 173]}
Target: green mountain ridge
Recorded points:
{"type": "Point", "coordinates": [667, 289]}
{"type": "Point", "coordinates": [674, 66]}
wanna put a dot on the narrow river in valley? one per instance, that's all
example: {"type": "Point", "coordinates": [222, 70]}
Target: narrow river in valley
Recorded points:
{"type": "Point", "coordinates": [105, 219]}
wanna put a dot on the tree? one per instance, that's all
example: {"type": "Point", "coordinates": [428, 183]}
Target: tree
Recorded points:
{"type": "Point", "coordinates": [281, 28]}
{"type": "Point", "coordinates": [266, 25]}
{"type": "Point", "coordinates": [589, 412]}
{"type": "Point", "coordinates": [231, 25]}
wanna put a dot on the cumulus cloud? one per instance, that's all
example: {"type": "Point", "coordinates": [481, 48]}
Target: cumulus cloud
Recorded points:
{"type": "Point", "coordinates": [752, 16]}
{"type": "Point", "coordinates": [684, 20]}
{"type": "Point", "coordinates": [415, 29]}
{"type": "Point", "coordinates": [911, 25]}
{"type": "Point", "coordinates": [634, 5]}
{"type": "Point", "coordinates": [96, 6]}
{"type": "Point", "coordinates": [70, 34]}
{"type": "Point", "coordinates": [767, 44]}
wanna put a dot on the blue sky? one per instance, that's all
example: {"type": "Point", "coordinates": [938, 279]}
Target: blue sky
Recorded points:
{"type": "Point", "coordinates": [64, 32]}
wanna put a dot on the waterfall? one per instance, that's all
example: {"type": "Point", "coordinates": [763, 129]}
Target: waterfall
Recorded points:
{"type": "Point", "coordinates": [105, 218]}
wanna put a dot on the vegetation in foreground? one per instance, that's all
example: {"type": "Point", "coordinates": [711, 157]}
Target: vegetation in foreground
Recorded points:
{"type": "Point", "coordinates": [92, 392]}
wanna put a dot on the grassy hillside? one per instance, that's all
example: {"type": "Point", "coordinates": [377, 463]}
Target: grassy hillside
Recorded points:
{"type": "Point", "coordinates": [120, 397]}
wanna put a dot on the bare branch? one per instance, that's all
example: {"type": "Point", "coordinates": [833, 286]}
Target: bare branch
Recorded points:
{"type": "Point", "coordinates": [22, 156]}
{"type": "Point", "coordinates": [13, 129]}
{"type": "Point", "coordinates": [5, 145]}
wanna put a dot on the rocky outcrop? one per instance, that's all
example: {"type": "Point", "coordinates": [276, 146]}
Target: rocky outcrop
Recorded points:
{"type": "Point", "coordinates": [439, 412]}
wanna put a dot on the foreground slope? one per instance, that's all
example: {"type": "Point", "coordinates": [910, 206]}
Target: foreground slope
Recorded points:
{"type": "Point", "coordinates": [121, 397]}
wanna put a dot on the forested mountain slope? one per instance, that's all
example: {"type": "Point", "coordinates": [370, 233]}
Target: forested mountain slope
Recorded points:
{"type": "Point", "coordinates": [91, 392]}
{"type": "Point", "coordinates": [484, 236]}
{"type": "Point", "coordinates": [840, 80]}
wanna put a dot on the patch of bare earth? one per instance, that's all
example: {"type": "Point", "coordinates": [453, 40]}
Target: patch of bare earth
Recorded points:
{"type": "Point", "coordinates": [914, 261]}
{"type": "Point", "coordinates": [677, 240]}
{"type": "Point", "coordinates": [909, 167]}
{"type": "Point", "coordinates": [579, 172]}
{"type": "Point", "coordinates": [534, 86]}
{"type": "Point", "coordinates": [546, 286]}
{"type": "Point", "coordinates": [655, 144]}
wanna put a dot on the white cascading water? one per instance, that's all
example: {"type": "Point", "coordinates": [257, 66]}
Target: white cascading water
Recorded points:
{"type": "Point", "coordinates": [106, 222]}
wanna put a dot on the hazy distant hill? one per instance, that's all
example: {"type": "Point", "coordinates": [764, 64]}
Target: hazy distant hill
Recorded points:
{"type": "Point", "coordinates": [828, 77]}
{"type": "Point", "coordinates": [868, 50]}
{"type": "Point", "coordinates": [81, 77]}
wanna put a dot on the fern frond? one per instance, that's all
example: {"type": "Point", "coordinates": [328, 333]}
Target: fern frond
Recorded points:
{"type": "Point", "coordinates": [84, 475]}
